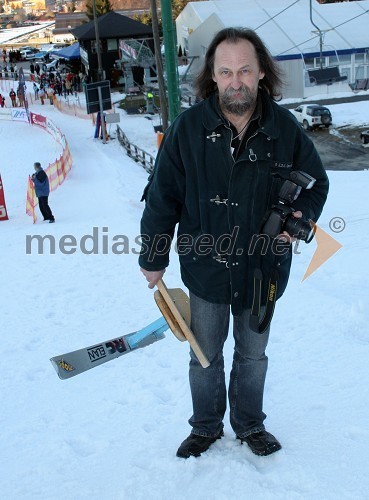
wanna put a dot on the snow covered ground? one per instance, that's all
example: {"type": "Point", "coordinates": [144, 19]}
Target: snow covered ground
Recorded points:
{"type": "Point", "coordinates": [112, 433]}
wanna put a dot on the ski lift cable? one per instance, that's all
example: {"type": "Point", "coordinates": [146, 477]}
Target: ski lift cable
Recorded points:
{"type": "Point", "coordinates": [278, 26]}
{"type": "Point", "coordinates": [332, 29]}
{"type": "Point", "coordinates": [276, 15]}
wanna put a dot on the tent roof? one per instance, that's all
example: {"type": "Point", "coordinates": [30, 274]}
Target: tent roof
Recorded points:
{"type": "Point", "coordinates": [112, 25]}
{"type": "Point", "coordinates": [285, 26]}
{"type": "Point", "coordinates": [71, 52]}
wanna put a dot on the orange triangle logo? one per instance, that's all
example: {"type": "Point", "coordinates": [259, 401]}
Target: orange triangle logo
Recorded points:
{"type": "Point", "coordinates": [327, 247]}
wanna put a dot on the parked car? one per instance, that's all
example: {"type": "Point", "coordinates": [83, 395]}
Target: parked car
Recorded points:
{"type": "Point", "coordinates": [62, 67]}
{"type": "Point", "coordinates": [52, 66]}
{"type": "Point", "coordinates": [27, 54]}
{"type": "Point", "coordinates": [312, 116]}
{"type": "Point", "coordinates": [364, 136]}
{"type": "Point", "coordinates": [36, 56]}
{"type": "Point", "coordinates": [28, 47]}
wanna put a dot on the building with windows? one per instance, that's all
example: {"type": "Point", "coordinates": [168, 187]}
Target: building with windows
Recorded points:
{"type": "Point", "coordinates": [131, 8]}
{"type": "Point", "coordinates": [321, 48]}
{"type": "Point", "coordinates": [113, 29]}
{"type": "Point", "coordinates": [34, 7]}
{"type": "Point", "coordinates": [64, 22]}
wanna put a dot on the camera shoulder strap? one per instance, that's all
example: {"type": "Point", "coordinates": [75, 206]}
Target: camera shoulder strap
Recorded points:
{"type": "Point", "coordinates": [257, 323]}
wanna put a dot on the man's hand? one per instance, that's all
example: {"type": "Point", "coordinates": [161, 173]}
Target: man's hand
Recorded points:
{"type": "Point", "coordinates": [287, 237]}
{"type": "Point", "coordinates": [152, 276]}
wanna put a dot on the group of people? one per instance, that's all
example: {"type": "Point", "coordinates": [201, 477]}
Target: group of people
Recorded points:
{"type": "Point", "coordinates": [46, 84]}
{"type": "Point", "coordinates": [8, 71]}
{"type": "Point", "coordinates": [11, 56]}
{"type": "Point", "coordinates": [36, 68]}
{"type": "Point", "coordinates": [61, 84]}
{"type": "Point", "coordinates": [44, 92]}
{"type": "Point", "coordinates": [17, 97]}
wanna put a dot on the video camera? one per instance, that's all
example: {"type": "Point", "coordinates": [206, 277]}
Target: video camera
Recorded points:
{"type": "Point", "coordinates": [280, 217]}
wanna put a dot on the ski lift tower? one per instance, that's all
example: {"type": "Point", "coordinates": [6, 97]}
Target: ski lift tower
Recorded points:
{"type": "Point", "coordinates": [137, 53]}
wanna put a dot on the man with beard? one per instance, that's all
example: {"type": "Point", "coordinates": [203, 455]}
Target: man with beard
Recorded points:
{"type": "Point", "coordinates": [218, 173]}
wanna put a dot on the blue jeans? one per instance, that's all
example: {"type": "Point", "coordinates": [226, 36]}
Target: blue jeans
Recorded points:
{"type": "Point", "coordinates": [210, 323]}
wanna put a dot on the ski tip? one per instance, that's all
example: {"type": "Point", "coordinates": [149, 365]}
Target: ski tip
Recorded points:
{"type": "Point", "coordinates": [63, 369]}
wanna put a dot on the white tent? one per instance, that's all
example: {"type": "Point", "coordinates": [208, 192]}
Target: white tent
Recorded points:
{"type": "Point", "coordinates": [291, 31]}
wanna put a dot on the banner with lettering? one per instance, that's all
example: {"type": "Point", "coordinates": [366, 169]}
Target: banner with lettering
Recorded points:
{"type": "Point", "coordinates": [38, 120]}
{"type": "Point", "coordinates": [3, 212]}
{"type": "Point", "coordinates": [19, 115]}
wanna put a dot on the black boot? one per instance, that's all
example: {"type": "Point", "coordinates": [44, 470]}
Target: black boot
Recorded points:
{"type": "Point", "coordinates": [195, 445]}
{"type": "Point", "coordinates": [261, 443]}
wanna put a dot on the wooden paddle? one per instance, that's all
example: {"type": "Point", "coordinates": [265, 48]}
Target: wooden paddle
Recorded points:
{"type": "Point", "coordinates": [174, 305]}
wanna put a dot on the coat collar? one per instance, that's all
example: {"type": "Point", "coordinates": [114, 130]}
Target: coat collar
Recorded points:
{"type": "Point", "coordinates": [268, 122]}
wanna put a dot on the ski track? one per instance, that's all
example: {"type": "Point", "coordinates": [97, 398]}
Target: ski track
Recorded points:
{"type": "Point", "coordinates": [113, 432]}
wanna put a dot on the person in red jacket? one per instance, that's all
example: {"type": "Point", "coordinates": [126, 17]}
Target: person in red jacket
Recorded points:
{"type": "Point", "coordinates": [13, 98]}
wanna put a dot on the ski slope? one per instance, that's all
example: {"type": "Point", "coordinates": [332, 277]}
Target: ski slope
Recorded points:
{"type": "Point", "coordinates": [112, 433]}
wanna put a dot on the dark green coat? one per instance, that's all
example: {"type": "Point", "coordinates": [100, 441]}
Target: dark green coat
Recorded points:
{"type": "Point", "coordinates": [195, 173]}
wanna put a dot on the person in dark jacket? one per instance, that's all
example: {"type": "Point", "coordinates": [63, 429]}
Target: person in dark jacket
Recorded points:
{"type": "Point", "coordinates": [42, 189]}
{"type": "Point", "coordinates": [218, 175]}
